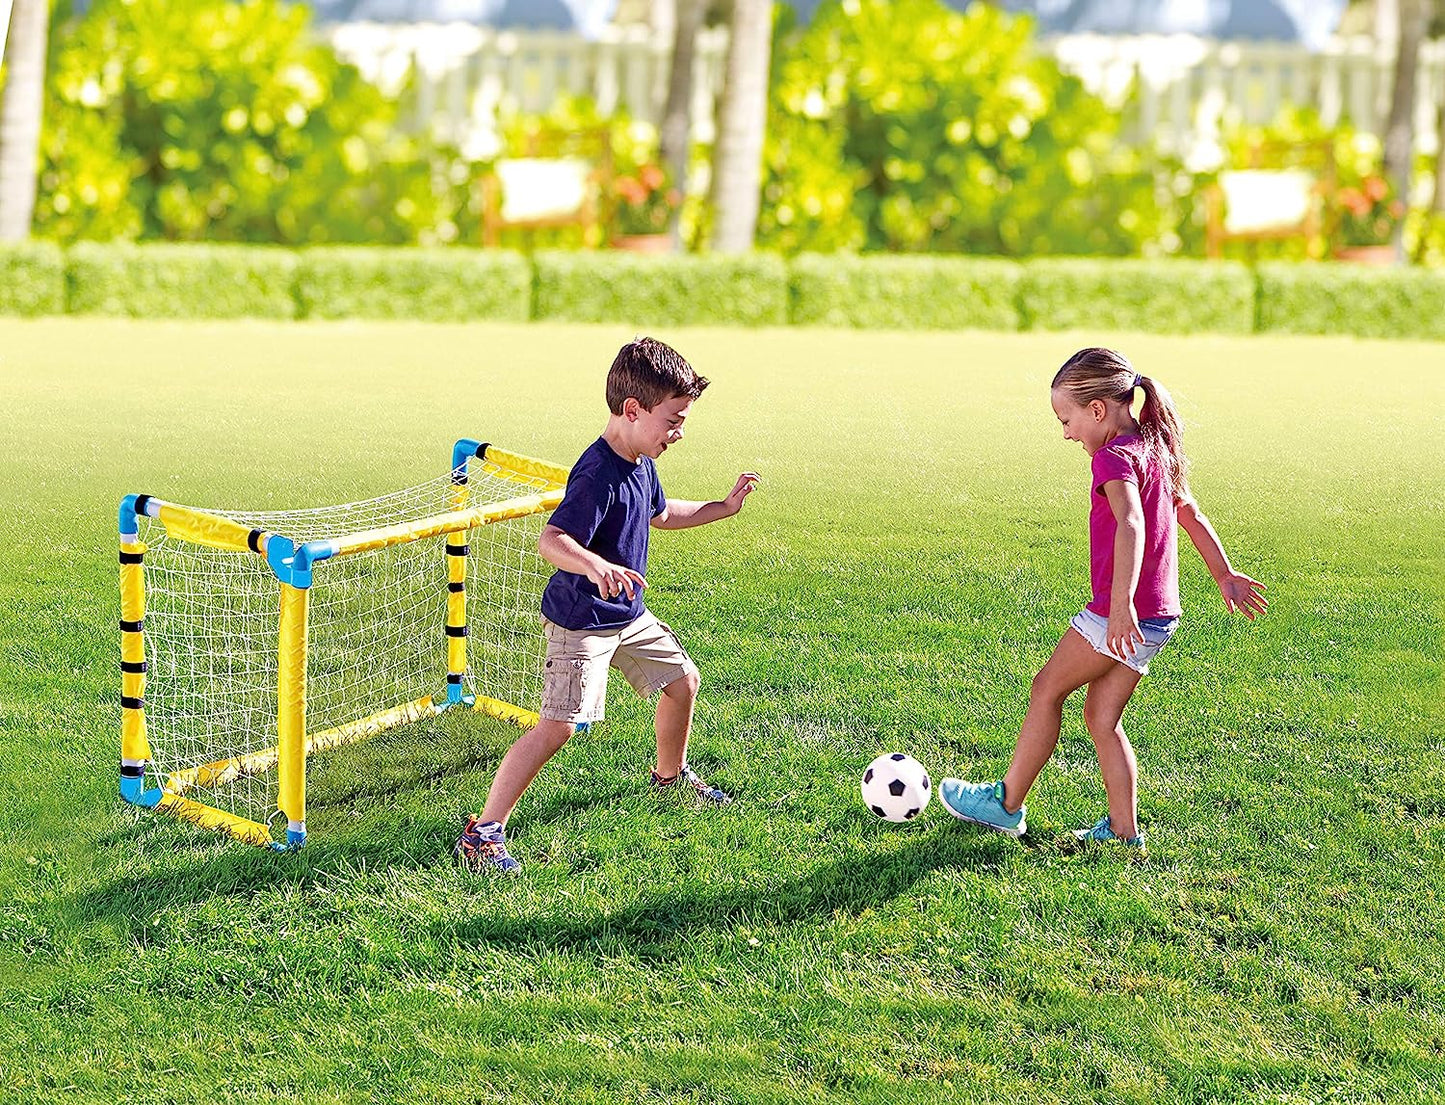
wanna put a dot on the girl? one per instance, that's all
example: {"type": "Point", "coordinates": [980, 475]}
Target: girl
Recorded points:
{"type": "Point", "coordinates": [1139, 494]}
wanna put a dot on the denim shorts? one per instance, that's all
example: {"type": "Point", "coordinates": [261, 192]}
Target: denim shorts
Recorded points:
{"type": "Point", "coordinates": [1157, 632]}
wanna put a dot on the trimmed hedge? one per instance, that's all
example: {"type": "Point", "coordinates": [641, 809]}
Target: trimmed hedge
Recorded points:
{"type": "Point", "coordinates": [904, 292]}
{"type": "Point", "coordinates": [171, 280]}
{"type": "Point", "coordinates": [32, 279]}
{"type": "Point", "coordinates": [670, 289]}
{"type": "Point", "coordinates": [181, 280]}
{"type": "Point", "coordinates": [1351, 299]}
{"type": "Point", "coordinates": [435, 285]}
{"type": "Point", "coordinates": [1172, 297]}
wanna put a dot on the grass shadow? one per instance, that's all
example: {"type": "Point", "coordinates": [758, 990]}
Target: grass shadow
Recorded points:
{"type": "Point", "coordinates": [851, 884]}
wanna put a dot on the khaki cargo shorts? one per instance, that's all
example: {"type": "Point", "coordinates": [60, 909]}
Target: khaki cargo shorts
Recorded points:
{"type": "Point", "coordinates": [645, 651]}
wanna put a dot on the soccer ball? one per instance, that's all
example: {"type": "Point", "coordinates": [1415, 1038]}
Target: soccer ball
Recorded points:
{"type": "Point", "coordinates": [896, 787]}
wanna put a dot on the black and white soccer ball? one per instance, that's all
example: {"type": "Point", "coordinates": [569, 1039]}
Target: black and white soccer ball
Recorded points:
{"type": "Point", "coordinates": [896, 787]}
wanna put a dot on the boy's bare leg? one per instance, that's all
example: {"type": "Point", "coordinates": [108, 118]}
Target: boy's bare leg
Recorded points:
{"type": "Point", "coordinates": [1103, 714]}
{"type": "Point", "coordinates": [520, 766]}
{"type": "Point", "coordinates": [1073, 664]}
{"type": "Point", "coordinates": [674, 722]}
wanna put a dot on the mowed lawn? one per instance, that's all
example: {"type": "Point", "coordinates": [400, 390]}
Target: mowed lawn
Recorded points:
{"type": "Point", "coordinates": [916, 548]}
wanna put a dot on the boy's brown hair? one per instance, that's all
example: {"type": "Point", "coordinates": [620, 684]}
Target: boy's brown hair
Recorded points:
{"type": "Point", "coordinates": [651, 372]}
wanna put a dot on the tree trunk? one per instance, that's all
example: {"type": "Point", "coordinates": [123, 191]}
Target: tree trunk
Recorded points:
{"type": "Point", "coordinates": [1437, 203]}
{"type": "Point", "coordinates": [738, 158]}
{"type": "Point", "coordinates": [1400, 129]}
{"type": "Point", "coordinates": [5, 6]}
{"type": "Point", "coordinates": [676, 132]}
{"type": "Point", "coordinates": [20, 110]}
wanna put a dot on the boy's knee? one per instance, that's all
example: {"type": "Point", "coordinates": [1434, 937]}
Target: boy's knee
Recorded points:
{"type": "Point", "coordinates": [684, 687]}
{"type": "Point", "coordinates": [553, 734]}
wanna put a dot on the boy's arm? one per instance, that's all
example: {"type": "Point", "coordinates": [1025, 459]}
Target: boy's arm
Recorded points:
{"type": "Point", "coordinates": [1240, 592]}
{"type": "Point", "coordinates": [560, 549]}
{"type": "Point", "coordinates": [1124, 629]}
{"type": "Point", "coordinates": [685, 513]}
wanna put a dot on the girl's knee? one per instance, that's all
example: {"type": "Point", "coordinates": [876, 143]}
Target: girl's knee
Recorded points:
{"type": "Point", "coordinates": [1046, 689]}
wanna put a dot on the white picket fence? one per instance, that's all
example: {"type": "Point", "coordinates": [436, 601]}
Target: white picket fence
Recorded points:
{"type": "Point", "coordinates": [458, 77]}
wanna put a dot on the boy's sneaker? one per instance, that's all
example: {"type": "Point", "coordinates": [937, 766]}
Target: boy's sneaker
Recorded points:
{"type": "Point", "coordinates": [688, 778]}
{"type": "Point", "coordinates": [1103, 833]}
{"type": "Point", "coordinates": [482, 847]}
{"type": "Point", "coordinates": [982, 804]}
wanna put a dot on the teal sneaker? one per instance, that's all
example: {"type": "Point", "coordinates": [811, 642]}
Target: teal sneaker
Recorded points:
{"type": "Point", "coordinates": [981, 803]}
{"type": "Point", "coordinates": [1104, 834]}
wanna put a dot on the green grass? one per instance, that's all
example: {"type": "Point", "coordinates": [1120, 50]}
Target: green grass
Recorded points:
{"type": "Point", "coordinates": [912, 556]}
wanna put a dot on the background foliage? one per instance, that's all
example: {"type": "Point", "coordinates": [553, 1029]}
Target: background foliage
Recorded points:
{"type": "Point", "coordinates": [904, 125]}
{"type": "Point", "coordinates": [221, 121]}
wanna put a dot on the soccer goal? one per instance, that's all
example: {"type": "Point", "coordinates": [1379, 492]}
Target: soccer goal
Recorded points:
{"type": "Point", "coordinates": [251, 641]}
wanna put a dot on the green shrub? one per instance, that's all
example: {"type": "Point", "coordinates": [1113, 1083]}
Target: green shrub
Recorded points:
{"type": "Point", "coordinates": [906, 126]}
{"type": "Point", "coordinates": [181, 281]}
{"type": "Point", "coordinates": [673, 290]}
{"type": "Point", "coordinates": [221, 121]}
{"type": "Point", "coordinates": [32, 279]}
{"type": "Point", "coordinates": [1163, 297]}
{"type": "Point", "coordinates": [916, 293]}
{"type": "Point", "coordinates": [1351, 299]}
{"type": "Point", "coordinates": [437, 285]}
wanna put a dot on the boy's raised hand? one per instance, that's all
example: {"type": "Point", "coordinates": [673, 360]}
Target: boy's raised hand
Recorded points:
{"type": "Point", "coordinates": [741, 490]}
{"type": "Point", "coordinates": [1243, 594]}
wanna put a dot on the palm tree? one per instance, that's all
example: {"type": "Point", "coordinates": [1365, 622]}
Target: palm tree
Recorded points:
{"type": "Point", "coordinates": [738, 156]}
{"type": "Point", "coordinates": [675, 134]}
{"type": "Point", "coordinates": [1414, 17]}
{"type": "Point", "coordinates": [20, 110]}
{"type": "Point", "coordinates": [5, 6]}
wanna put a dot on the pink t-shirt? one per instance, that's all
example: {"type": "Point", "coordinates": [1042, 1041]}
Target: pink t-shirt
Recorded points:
{"type": "Point", "coordinates": [1127, 458]}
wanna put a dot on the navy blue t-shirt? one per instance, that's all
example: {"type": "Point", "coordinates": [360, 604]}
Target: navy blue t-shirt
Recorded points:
{"type": "Point", "coordinates": [608, 508]}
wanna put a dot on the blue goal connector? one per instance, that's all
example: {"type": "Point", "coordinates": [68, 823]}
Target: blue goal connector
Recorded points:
{"type": "Point", "coordinates": [295, 838]}
{"type": "Point", "coordinates": [133, 786]}
{"type": "Point", "coordinates": [464, 450]}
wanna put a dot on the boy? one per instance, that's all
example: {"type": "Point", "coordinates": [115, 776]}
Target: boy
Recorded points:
{"type": "Point", "coordinates": [592, 607]}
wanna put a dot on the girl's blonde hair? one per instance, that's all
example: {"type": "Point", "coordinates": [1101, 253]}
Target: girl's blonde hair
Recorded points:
{"type": "Point", "coordinates": [1107, 374]}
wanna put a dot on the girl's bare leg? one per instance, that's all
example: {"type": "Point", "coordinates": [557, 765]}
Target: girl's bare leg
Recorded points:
{"type": "Point", "coordinates": [1103, 714]}
{"type": "Point", "coordinates": [1073, 664]}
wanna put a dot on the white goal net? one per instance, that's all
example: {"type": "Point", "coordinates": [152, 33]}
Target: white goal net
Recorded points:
{"type": "Point", "coordinates": [377, 645]}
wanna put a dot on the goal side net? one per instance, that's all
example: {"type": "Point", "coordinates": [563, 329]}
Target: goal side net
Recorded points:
{"type": "Point", "coordinates": [253, 640]}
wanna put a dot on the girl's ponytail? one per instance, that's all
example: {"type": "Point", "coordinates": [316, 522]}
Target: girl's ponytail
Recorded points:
{"type": "Point", "coordinates": [1162, 431]}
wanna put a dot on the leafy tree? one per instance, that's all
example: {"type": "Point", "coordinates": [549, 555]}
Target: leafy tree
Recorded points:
{"type": "Point", "coordinates": [903, 125]}
{"type": "Point", "coordinates": [206, 119]}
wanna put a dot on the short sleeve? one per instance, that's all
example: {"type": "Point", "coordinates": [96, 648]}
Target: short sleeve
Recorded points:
{"type": "Point", "coordinates": [659, 500]}
{"type": "Point", "coordinates": [1112, 464]}
{"type": "Point", "coordinates": [583, 506]}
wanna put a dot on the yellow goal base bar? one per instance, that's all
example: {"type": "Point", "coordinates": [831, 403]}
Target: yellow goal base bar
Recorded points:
{"type": "Point", "coordinates": [174, 799]}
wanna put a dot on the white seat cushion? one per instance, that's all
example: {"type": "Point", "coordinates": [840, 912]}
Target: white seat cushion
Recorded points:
{"type": "Point", "coordinates": [1265, 199]}
{"type": "Point", "coordinates": [541, 188]}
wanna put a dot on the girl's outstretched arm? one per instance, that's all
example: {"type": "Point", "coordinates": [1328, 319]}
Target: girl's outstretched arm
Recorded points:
{"type": "Point", "coordinates": [1240, 593]}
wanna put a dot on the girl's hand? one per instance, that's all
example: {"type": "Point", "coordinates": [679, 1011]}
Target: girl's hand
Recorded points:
{"type": "Point", "coordinates": [1243, 595]}
{"type": "Point", "coordinates": [741, 490]}
{"type": "Point", "coordinates": [1123, 631]}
